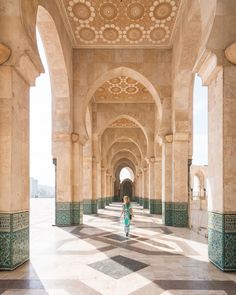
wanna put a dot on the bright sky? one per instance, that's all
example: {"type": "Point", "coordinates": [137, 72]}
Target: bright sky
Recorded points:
{"type": "Point", "coordinates": [200, 123]}
{"type": "Point", "coordinates": [41, 166]}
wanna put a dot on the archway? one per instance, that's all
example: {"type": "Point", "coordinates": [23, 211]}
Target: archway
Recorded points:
{"type": "Point", "coordinates": [61, 109]}
{"type": "Point", "coordinates": [126, 189]}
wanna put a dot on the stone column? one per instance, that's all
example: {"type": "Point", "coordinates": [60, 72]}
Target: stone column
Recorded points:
{"type": "Point", "coordinates": [156, 202]}
{"type": "Point", "coordinates": [146, 188]}
{"type": "Point", "coordinates": [103, 188]}
{"type": "Point", "coordinates": [14, 159]}
{"type": "Point", "coordinates": [90, 204]}
{"type": "Point", "coordinates": [180, 180]}
{"type": "Point", "coordinates": [107, 201]}
{"type": "Point", "coordinates": [142, 188]}
{"type": "Point", "coordinates": [62, 153]}
{"type": "Point", "coordinates": [167, 180]}
{"type": "Point", "coordinates": [99, 183]}
{"type": "Point", "coordinates": [77, 183]}
{"type": "Point", "coordinates": [222, 161]}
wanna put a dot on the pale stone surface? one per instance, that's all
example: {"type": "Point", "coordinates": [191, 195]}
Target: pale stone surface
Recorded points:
{"type": "Point", "coordinates": [119, 105]}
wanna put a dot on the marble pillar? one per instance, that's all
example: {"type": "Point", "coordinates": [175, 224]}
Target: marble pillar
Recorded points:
{"type": "Point", "coordinates": [146, 198]}
{"type": "Point", "coordinates": [156, 202]}
{"type": "Point", "coordinates": [167, 180]}
{"type": "Point", "coordinates": [222, 167]}
{"type": "Point", "coordinates": [14, 171]}
{"type": "Point", "coordinates": [180, 202]}
{"type": "Point", "coordinates": [103, 187]}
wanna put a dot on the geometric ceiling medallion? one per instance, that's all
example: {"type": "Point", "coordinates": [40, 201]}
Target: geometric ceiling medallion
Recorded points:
{"type": "Point", "coordinates": [129, 80]}
{"type": "Point", "coordinates": [158, 33]}
{"type": "Point", "coordinates": [110, 33]}
{"type": "Point", "coordinates": [81, 11]}
{"type": "Point", "coordinates": [131, 90]}
{"type": "Point", "coordinates": [86, 34]}
{"type": "Point", "coordinates": [122, 23]}
{"type": "Point", "coordinates": [163, 10]}
{"type": "Point", "coordinates": [108, 11]}
{"type": "Point", "coordinates": [122, 89]}
{"type": "Point", "coordinates": [115, 89]}
{"type": "Point", "coordinates": [135, 11]}
{"type": "Point", "coordinates": [123, 123]}
{"type": "Point", "coordinates": [134, 33]}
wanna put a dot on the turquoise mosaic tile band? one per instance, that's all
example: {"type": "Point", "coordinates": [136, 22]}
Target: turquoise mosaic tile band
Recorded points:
{"type": "Point", "coordinates": [180, 214]}
{"type": "Point", "coordinates": [69, 213]}
{"type": "Point", "coordinates": [99, 202]}
{"type": "Point", "coordinates": [141, 201]}
{"type": "Point", "coordinates": [14, 239]}
{"type": "Point", "coordinates": [116, 199]}
{"type": "Point", "coordinates": [103, 202]}
{"type": "Point", "coordinates": [175, 214]}
{"type": "Point", "coordinates": [222, 240]}
{"type": "Point", "coordinates": [155, 206]}
{"type": "Point", "coordinates": [167, 213]}
{"type": "Point", "coordinates": [107, 201]}
{"type": "Point", "coordinates": [90, 206]}
{"type": "Point", "coordinates": [146, 203]}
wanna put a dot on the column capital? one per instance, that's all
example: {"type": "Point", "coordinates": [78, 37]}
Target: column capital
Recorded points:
{"type": "Point", "coordinates": [5, 53]}
{"type": "Point", "coordinates": [207, 67]}
{"type": "Point", "coordinates": [27, 69]}
{"type": "Point", "coordinates": [181, 136]}
{"type": "Point", "coordinates": [168, 138]}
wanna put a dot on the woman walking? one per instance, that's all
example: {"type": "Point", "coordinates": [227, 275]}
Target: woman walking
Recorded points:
{"type": "Point", "coordinates": [128, 214]}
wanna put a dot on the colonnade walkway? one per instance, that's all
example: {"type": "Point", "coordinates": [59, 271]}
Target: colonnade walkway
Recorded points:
{"type": "Point", "coordinates": [97, 258]}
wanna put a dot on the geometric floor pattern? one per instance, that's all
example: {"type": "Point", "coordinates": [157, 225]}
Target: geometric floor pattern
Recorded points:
{"type": "Point", "coordinates": [97, 258]}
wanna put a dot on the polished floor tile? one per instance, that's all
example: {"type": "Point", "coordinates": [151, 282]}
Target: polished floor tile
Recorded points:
{"type": "Point", "coordinates": [97, 258]}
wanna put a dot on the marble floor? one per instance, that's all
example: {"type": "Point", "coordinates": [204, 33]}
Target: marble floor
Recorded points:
{"type": "Point", "coordinates": [97, 258]}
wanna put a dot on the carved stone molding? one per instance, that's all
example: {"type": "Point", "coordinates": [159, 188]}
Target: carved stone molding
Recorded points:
{"type": "Point", "coordinates": [5, 53]}
{"type": "Point", "coordinates": [230, 53]}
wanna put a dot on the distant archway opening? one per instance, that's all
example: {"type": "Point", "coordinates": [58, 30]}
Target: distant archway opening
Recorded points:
{"type": "Point", "coordinates": [126, 188]}
{"type": "Point", "coordinates": [126, 173]}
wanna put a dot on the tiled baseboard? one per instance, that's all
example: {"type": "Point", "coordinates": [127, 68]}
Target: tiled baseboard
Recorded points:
{"type": "Point", "coordinates": [222, 240]}
{"type": "Point", "coordinates": [90, 206]}
{"type": "Point", "coordinates": [14, 239]}
{"type": "Point", "coordinates": [69, 213]}
{"type": "Point", "coordinates": [155, 206]}
{"type": "Point", "coordinates": [175, 213]}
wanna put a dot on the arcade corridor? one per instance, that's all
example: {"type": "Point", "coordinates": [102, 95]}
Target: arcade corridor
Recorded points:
{"type": "Point", "coordinates": [96, 258]}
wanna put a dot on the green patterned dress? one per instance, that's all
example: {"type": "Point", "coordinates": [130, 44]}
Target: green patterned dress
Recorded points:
{"type": "Point", "coordinates": [127, 213]}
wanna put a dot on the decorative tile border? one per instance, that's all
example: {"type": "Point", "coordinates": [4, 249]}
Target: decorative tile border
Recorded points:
{"type": "Point", "coordinates": [175, 214]}
{"type": "Point", "coordinates": [141, 201]}
{"type": "Point", "coordinates": [14, 239]}
{"type": "Point", "coordinates": [69, 213]}
{"type": "Point", "coordinates": [103, 202]}
{"type": "Point", "coordinates": [180, 214]}
{"type": "Point", "coordinates": [155, 206]}
{"type": "Point", "coordinates": [146, 203]}
{"type": "Point", "coordinates": [222, 240]}
{"type": "Point", "coordinates": [90, 206]}
{"type": "Point", "coordinates": [167, 208]}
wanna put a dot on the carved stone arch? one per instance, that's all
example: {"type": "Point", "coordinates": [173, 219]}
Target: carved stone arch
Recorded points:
{"type": "Point", "coordinates": [130, 118]}
{"type": "Point", "coordinates": [113, 73]}
{"type": "Point", "coordinates": [126, 153]}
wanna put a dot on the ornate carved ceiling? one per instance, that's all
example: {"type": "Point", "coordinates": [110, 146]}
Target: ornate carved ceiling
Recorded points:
{"type": "Point", "coordinates": [122, 89]}
{"type": "Point", "coordinates": [123, 123]}
{"type": "Point", "coordinates": [122, 23]}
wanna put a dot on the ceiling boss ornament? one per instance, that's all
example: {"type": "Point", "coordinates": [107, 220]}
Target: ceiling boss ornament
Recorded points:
{"type": "Point", "coordinates": [122, 23]}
